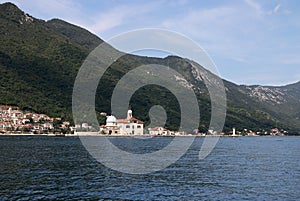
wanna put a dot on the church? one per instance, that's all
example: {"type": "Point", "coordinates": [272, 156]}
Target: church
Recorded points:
{"type": "Point", "coordinates": [128, 126]}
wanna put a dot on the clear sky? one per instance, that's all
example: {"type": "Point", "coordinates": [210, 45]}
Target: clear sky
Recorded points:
{"type": "Point", "coordinates": [251, 41]}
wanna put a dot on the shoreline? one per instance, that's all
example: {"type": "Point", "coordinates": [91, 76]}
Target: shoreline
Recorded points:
{"type": "Point", "coordinates": [136, 136]}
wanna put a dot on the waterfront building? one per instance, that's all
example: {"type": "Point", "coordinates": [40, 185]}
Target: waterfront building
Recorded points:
{"type": "Point", "coordinates": [158, 131]}
{"type": "Point", "coordinates": [128, 126]}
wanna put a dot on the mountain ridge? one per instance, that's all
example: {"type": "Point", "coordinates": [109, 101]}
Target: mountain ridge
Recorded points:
{"type": "Point", "coordinates": [41, 60]}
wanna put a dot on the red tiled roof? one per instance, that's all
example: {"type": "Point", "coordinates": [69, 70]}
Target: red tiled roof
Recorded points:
{"type": "Point", "coordinates": [156, 129]}
{"type": "Point", "coordinates": [135, 119]}
{"type": "Point", "coordinates": [122, 121]}
{"type": "Point", "coordinates": [129, 120]}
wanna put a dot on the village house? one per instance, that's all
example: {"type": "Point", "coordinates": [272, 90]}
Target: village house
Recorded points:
{"type": "Point", "coordinates": [158, 131]}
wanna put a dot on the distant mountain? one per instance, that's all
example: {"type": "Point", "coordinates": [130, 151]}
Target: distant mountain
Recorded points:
{"type": "Point", "coordinates": [283, 103]}
{"type": "Point", "coordinates": [278, 104]}
{"type": "Point", "coordinates": [39, 61]}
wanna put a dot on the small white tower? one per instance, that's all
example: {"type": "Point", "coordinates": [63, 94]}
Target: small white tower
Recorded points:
{"type": "Point", "coordinates": [9, 111]}
{"type": "Point", "coordinates": [129, 114]}
{"type": "Point", "coordinates": [233, 131]}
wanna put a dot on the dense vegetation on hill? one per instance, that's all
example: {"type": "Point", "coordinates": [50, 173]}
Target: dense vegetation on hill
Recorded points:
{"type": "Point", "coordinates": [39, 61]}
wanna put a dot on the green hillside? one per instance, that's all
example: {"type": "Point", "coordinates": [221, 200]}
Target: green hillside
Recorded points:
{"type": "Point", "coordinates": [39, 61]}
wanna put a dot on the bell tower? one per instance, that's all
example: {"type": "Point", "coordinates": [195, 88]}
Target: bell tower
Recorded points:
{"type": "Point", "coordinates": [129, 114]}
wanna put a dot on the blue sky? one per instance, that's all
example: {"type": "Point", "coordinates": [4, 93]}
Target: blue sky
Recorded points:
{"type": "Point", "coordinates": [250, 41]}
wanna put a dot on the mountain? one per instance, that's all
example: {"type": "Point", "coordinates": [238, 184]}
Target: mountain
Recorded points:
{"type": "Point", "coordinates": [283, 103]}
{"type": "Point", "coordinates": [39, 61]}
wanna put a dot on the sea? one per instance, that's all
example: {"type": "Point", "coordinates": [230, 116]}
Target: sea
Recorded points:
{"type": "Point", "coordinates": [60, 168]}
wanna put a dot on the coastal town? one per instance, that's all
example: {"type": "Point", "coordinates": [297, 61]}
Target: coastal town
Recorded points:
{"type": "Point", "coordinates": [15, 121]}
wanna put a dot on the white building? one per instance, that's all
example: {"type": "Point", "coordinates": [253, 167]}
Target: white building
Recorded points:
{"type": "Point", "coordinates": [111, 127]}
{"type": "Point", "coordinates": [85, 125]}
{"type": "Point", "coordinates": [158, 131]}
{"type": "Point", "coordinates": [128, 126]}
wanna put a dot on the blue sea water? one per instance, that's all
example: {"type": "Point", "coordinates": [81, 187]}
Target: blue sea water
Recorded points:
{"type": "Point", "coordinates": [59, 168]}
